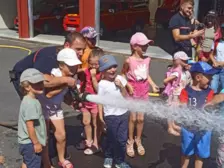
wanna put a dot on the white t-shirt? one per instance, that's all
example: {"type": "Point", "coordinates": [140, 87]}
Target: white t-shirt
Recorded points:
{"type": "Point", "coordinates": [185, 80]}
{"type": "Point", "coordinates": [219, 51]}
{"type": "Point", "coordinates": [106, 87]}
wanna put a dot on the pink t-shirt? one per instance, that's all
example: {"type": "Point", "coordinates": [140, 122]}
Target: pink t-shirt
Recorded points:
{"type": "Point", "coordinates": [137, 76]}
{"type": "Point", "coordinates": [88, 85]}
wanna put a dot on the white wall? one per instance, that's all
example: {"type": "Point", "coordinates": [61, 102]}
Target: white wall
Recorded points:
{"type": "Point", "coordinates": [8, 12]}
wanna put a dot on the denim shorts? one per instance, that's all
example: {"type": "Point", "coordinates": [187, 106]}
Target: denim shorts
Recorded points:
{"type": "Point", "coordinates": [30, 158]}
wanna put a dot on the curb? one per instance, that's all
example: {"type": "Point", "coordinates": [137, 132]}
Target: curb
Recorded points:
{"type": "Point", "coordinates": [54, 44]}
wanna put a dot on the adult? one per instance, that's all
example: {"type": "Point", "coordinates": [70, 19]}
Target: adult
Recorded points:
{"type": "Point", "coordinates": [45, 60]}
{"type": "Point", "coordinates": [181, 27]}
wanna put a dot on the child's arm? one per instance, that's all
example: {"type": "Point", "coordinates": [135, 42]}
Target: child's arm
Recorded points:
{"type": "Point", "coordinates": [33, 136]}
{"type": "Point", "coordinates": [124, 71]}
{"type": "Point", "coordinates": [169, 79]}
{"type": "Point", "coordinates": [101, 92]}
{"type": "Point", "coordinates": [94, 79]}
{"type": "Point", "coordinates": [155, 88]}
{"type": "Point", "coordinates": [216, 99]}
{"type": "Point", "coordinates": [51, 81]}
{"type": "Point", "coordinates": [122, 88]}
{"type": "Point", "coordinates": [212, 57]}
{"type": "Point", "coordinates": [125, 68]}
{"type": "Point", "coordinates": [51, 92]}
{"type": "Point", "coordinates": [100, 109]}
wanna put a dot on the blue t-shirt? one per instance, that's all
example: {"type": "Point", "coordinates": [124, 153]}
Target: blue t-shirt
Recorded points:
{"type": "Point", "coordinates": [178, 21]}
{"type": "Point", "coordinates": [194, 98]}
{"type": "Point", "coordinates": [45, 61]}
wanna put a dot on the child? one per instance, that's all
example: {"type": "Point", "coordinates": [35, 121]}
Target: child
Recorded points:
{"type": "Point", "coordinates": [32, 134]}
{"type": "Point", "coordinates": [90, 35]}
{"type": "Point", "coordinates": [219, 98]}
{"type": "Point", "coordinates": [51, 102]}
{"type": "Point", "coordinates": [176, 79]}
{"type": "Point", "coordinates": [116, 119]}
{"type": "Point", "coordinates": [90, 110]}
{"type": "Point", "coordinates": [136, 70]}
{"type": "Point", "coordinates": [211, 30]}
{"type": "Point", "coordinates": [195, 96]}
{"type": "Point", "coordinates": [217, 58]}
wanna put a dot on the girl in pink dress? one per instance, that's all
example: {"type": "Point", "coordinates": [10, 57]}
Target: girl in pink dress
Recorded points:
{"type": "Point", "coordinates": [89, 109]}
{"type": "Point", "coordinates": [136, 70]}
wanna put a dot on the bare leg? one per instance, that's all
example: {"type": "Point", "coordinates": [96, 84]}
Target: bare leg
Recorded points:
{"type": "Point", "coordinates": [138, 139]}
{"type": "Point", "coordinates": [173, 128]}
{"type": "Point", "coordinates": [60, 136]}
{"type": "Point", "coordinates": [185, 161]}
{"type": "Point", "coordinates": [23, 165]}
{"type": "Point", "coordinates": [132, 121]}
{"type": "Point", "coordinates": [198, 162]}
{"type": "Point", "coordinates": [2, 159]}
{"type": "Point", "coordinates": [45, 152]}
{"type": "Point", "coordinates": [140, 125]}
{"type": "Point", "coordinates": [130, 143]}
{"type": "Point", "coordinates": [94, 121]}
{"type": "Point", "coordinates": [87, 127]}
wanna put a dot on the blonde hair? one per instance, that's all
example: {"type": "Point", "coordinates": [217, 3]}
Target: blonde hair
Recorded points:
{"type": "Point", "coordinates": [96, 52]}
{"type": "Point", "coordinates": [23, 85]}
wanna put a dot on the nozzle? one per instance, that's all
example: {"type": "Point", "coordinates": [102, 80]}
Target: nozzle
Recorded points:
{"type": "Point", "coordinates": [77, 96]}
{"type": "Point", "coordinates": [84, 96]}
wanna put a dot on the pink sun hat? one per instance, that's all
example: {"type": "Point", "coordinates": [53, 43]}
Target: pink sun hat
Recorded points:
{"type": "Point", "coordinates": [140, 39]}
{"type": "Point", "coordinates": [181, 55]}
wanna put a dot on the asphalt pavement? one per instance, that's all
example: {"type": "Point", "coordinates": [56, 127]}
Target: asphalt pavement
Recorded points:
{"type": "Point", "coordinates": [162, 150]}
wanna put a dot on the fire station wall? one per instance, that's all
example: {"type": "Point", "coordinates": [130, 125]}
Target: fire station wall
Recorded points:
{"type": "Point", "coordinates": [8, 12]}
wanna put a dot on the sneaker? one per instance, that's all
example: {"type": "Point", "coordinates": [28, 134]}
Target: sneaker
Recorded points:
{"type": "Point", "coordinates": [122, 165]}
{"type": "Point", "coordinates": [108, 162]}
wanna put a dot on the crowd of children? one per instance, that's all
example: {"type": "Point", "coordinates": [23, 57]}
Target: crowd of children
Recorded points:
{"type": "Point", "coordinates": [186, 84]}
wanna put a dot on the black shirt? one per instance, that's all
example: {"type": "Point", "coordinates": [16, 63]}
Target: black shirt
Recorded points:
{"type": "Point", "coordinates": [46, 60]}
{"type": "Point", "coordinates": [178, 21]}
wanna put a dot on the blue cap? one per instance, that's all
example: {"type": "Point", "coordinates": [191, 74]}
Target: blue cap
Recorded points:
{"type": "Point", "coordinates": [106, 62]}
{"type": "Point", "coordinates": [222, 25]}
{"type": "Point", "coordinates": [204, 68]}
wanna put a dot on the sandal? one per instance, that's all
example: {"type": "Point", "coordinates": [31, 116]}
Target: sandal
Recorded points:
{"type": "Point", "coordinates": [130, 148]}
{"type": "Point", "coordinates": [65, 164]}
{"type": "Point", "coordinates": [140, 148]}
{"type": "Point", "coordinates": [92, 150]}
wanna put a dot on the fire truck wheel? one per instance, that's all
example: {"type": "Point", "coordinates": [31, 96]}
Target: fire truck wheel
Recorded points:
{"type": "Point", "coordinates": [138, 26]}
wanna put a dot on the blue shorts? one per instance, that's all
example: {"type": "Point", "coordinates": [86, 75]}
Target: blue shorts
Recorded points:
{"type": "Point", "coordinates": [196, 143]}
{"type": "Point", "coordinates": [30, 158]}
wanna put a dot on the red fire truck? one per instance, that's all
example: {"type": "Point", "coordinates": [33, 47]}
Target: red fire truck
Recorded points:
{"type": "Point", "coordinates": [48, 16]}
{"type": "Point", "coordinates": [114, 16]}
{"type": "Point", "coordinates": [166, 11]}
